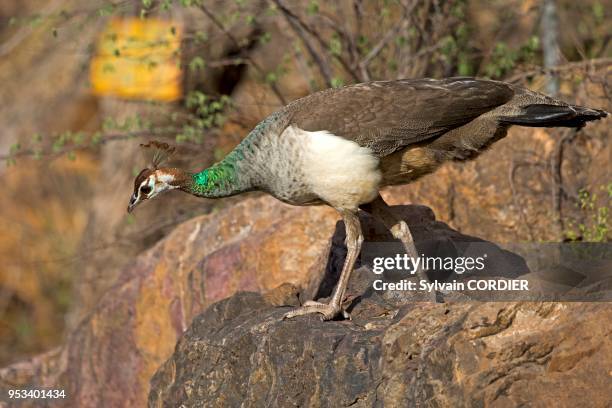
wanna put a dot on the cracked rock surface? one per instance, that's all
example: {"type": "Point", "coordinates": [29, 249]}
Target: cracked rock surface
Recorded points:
{"type": "Point", "coordinates": [458, 354]}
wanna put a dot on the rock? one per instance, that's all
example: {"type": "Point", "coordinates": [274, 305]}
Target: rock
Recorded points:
{"type": "Point", "coordinates": [256, 245]}
{"type": "Point", "coordinates": [240, 353]}
{"type": "Point", "coordinates": [396, 351]}
{"type": "Point", "coordinates": [238, 350]}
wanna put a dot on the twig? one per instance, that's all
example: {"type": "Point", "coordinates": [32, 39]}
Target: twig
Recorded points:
{"type": "Point", "coordinates": [340, 29]}
{"type": "Point", "coordinates": [514, 166]}
{"type": "Point", "coordinates": [296, 20]}
{"type": "Point", "coordinates": [363, 64]}
{"type": "Point", "coordinates": [71, 148]}
{"type": "Point", "coordinates": [306, 73]}
{"type": "Point", "coordinates": [556, 163]}
{"type": "Point", "coordinates": [358, 11]}
{"type": "Point", "coordinates": [300, 31]}
{"type": "Point", "coordinates": [592, 63]}
{"type": "Point", "coordinates": [226, 62]}
{"type": "Point", "coordinates": [421, 53]}
{"type": "Point", "coordinates": [236, 43]}
{"type": "Point", "coordinates": [549, 33]}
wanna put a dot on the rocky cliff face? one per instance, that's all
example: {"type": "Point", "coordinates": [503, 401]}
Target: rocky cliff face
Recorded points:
{"type": "Point", "coordinates": [109, 358]}
{"type": "Point", "coordinates": [396, 351]}
{"type": "Point", "coordinates": [240, 353]}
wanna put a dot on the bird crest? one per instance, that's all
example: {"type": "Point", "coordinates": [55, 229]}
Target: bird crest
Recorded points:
{"type": "Point", "coordinates": [157, 152]}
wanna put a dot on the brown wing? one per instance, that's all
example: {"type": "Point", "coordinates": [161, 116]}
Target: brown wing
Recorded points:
{"type": "Point", "coordinates": [389, 115]}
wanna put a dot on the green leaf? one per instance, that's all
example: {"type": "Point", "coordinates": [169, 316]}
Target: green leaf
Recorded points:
{"type": "Point", "coordinates": [337, 82]}
{"type": "Point", "coordinates": [166, 5]}
{"type": "Point", "coordinates": [96, 138]}
{"type": "Point", "coordinates": [335, 46]}
{"type": "Point", "coordinates": [106, 10]}
{"type": "Point", "coordinates": [313, 7]}
{"type": "Point", "coordinates": [36, 21]}
{"type": "Point", "coordinates": [201, 36]}
{"type": "Point", "coordinates": [533, 43]}
{"type": "Point", "coordinates": [265, 38]}
{"type": "Point", "coordinates": [271, 77]}
{"type": "Point", "coordinates": [464, 68]}
{"type": "Point", "coordinates": [401, 41]}
{"type": "Point", "coordinates": [598, 11]}
{"type": "Point", "coordinates": [196, 64]}
{"type": "Point", "coordinates": [15, 147]}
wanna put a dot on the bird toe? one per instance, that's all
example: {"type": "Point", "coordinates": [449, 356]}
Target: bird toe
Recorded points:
{"type": "Point", "coordinates": [327, 311]}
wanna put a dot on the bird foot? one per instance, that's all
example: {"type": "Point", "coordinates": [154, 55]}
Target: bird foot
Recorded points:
{"type": "Point", "coordinates": [328, 311]}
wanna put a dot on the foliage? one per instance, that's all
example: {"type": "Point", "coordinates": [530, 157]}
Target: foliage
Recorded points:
{"type": "Point", "coordinates": [380, 40]}
{"type": "Point", "coordinates": [595, 223]}
{"type": "Point", "coordinates": [504, 59]}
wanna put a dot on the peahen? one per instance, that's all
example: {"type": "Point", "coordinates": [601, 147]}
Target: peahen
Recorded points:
{"type": "Point", "coordinates": [341, 146]}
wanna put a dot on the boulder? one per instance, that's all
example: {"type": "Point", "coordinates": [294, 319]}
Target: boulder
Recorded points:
{"type": "Point", "coordinates": [458, 354]}
{"type": "Point", "coordinates": [240, 353]}
{"type": "Point", "coordinates": [110, 356]}
{"type": "Point", "coordinates": [396, 350]}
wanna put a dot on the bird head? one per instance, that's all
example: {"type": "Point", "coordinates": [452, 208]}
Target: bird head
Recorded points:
{"type": "Point", "coordinates": [154, 180]}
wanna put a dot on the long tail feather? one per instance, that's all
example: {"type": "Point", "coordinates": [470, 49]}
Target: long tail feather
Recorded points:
{"type": "Point", "coordinates": [542, 115]}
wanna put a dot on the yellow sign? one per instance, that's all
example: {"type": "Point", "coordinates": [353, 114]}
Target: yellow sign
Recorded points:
{"type": "Point", "coordinates": [138, 59]}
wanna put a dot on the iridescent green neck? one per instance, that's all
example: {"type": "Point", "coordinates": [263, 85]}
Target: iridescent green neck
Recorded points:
{"type": "Point", "coordinates": [223, 179]}
{"type": "Point", "coordinates": [237, 173]}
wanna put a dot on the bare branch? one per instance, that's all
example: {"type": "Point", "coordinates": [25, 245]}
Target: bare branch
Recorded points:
{"type": "Point", "coordinates": [300, 30]}
{"type": "Point", "coordinates": [296, 20]}
{"type": "Point", "coordinates": [556, 163]}
{"type": "Point", "coordinates": [236, 43]}
{"type": "Point", "coordinates": [363, 64]}
{"type": "Point", "coordinates": [549, 33]}
{"type": "Point", "coordinates": [50, 153]}
{"type": "Point", "coordinates": [581, 65]}
{"type": "Point", "coordinates": [340, 29]}
{"type": "Point", "coordinates": [514, 166]}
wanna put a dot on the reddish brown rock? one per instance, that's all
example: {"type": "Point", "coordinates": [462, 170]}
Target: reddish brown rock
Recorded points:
{"type": "Point", "coordinates": [255, 245]}
{"type": "Point", "coordinates": [396, 351]}
{"type": "Point", "coordinates": [458, 354]}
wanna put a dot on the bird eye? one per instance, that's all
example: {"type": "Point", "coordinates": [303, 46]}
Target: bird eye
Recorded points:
{"type": "Point", "coordinates": [145, 189]}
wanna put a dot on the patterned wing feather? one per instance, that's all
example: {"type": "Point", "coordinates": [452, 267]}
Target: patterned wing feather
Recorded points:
{"type": "Point", "coordinates": [389, 115]}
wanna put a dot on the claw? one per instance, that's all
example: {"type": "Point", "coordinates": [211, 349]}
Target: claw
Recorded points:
{"type": "Point", "coordinates": [327, 311]}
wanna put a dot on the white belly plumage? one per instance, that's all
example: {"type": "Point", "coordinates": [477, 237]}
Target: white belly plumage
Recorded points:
{"type": "Point", "coordinates": [337, 170]}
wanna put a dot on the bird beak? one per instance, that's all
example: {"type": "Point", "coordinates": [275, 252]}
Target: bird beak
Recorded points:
{"type": "Point", "coordinates": [133, 203]}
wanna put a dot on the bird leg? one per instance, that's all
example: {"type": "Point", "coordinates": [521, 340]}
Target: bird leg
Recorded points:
{"type": "Point", "coordinates": [399, 229]}
{"type": "Point", "coordinates": [354, 239]}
